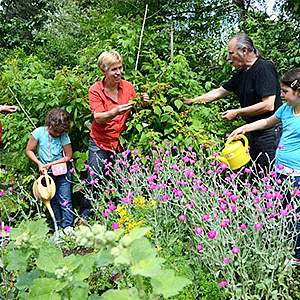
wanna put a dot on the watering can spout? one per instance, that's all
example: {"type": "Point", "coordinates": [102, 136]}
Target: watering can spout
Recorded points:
{"type": "Point", "coordinates": [220, 158]}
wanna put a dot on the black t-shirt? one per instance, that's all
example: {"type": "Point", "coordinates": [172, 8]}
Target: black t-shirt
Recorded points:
{"type": "Point", "coordinates": [252, 85]}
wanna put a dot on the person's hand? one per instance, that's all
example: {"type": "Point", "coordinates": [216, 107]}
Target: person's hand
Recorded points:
{"type": "Point", "coordinates": [43, 167]}
{"type": "Point", "coordinates": [123, 108]}
{"type": "Point", "coordinates": [188, 100]}
{"type": "Point", "coordinates": [145, 99]}
{"type": "Point", "coordinates": [8, 109]}
{"type": "Point", "coordinates": [230, 115]}
{"type": "Point", "coordinates": [234, 133]}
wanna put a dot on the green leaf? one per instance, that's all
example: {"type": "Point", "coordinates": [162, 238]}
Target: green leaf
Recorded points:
{"type": "Point", "coordinates": [25, 279]}
{"type": "Point", "coordinates": [44, 289]}
{"type": "Point", "coordinates": [143, 259]}
{"type": "Point", "coordinates": [103, 258]}
{"type": "Point", "coordinates": [79, 293]}
{"type": "Point", "coordinates": [17, 260]}
{"type": "Point", "coordinates": [49, 258]}
{"type": "Point", "coordinates": [138, 232]}
{"type": "Point", "coordinates": [178, 103]}
{"type": "Point", "coordinates": [157, 110]}
{"type": "Point", "coordinates": [130, 294]}
{"type": "Point", "coordinates": [167, 284]}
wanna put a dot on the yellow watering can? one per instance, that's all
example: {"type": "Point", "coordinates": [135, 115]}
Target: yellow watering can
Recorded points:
{"type": "Point", "coordinates": [44, 190]}
{"type": "Point", "coordinates": [235, 154]}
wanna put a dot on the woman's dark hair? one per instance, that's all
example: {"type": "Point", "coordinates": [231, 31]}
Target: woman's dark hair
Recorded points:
{"type": "Point", "coordinates": [58, 117]}
{"type": "Point", "coordinates": [291, 79]}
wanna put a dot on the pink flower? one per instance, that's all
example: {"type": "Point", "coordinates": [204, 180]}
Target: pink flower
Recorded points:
{"type": "Point", "coordinates": [6, 228]}
{"type": "Point", "coordinates": [199, 230]}
{"type": "Point", "coordinates": [233, 197]}
{"type": "Point", "coordinates": [205, 217]}
{"type": "Point", "coordinates": [115, 226]}
{"type": "Point", "coordinates": [247, 170]}
{"type": "Point", "coordinates": [279, 181]}
{"type": "Point", "coordinates": [243, 226]}
{"type": "Point", "coordinates": [71, 170]}
{"type": "Point", "coordinates": [86, 166]}
{"type": "Point", "coordinates": [257, 226]}
{"type": "Point", "coordinates": [11, 189]}
{"type": "Point", "coordinates": [280, 147]}
{"type": "Point", "coordinates": [280, 167]}
{"type": "Point", "coordinates": [212, 234]}
{"type": "Point", "coordinates": [235, 250]}
{"type": "Point", "coordinates": [199, 247]}
{"type": "Point", "coordinates": [92, 173]}
{"type": "Point", "coordinates": [78, 188]}
{"type": "Point", "coordinates": [1, 193]}
{"type": "Point", "coordinates": [223, 206]}
{"type": "Point", "coordinates": [182, 217]}
{"type": "Point", "coordinates": [165, 197]}
{"type": "Point", "coordinates": [223, 283]}
{"type": "Point", "coordinates": [64, 204]}
{"type": "Point", "coordinates": [284, 212]}
{"type": "Point", "coordinates": [226, 260]}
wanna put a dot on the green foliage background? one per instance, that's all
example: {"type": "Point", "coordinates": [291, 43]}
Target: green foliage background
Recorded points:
{"type": "Point", "coordinates": [49, 52]}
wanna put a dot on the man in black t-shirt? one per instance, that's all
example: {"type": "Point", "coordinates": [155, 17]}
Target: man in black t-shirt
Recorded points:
{"type": "Point", "coordinates": [256, 84]}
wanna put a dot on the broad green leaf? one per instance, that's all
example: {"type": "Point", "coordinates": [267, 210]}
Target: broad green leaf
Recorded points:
{"type": "Point", "coordinates": [167, 284]}
{"type": "Point", "coordinates": [79, 293]}
{"type": "Point", "coordinates": [130, 294]}
{"type": "Point", "coordinates": [143, 259]}
{"type": "Point", "coordinates": [103, 258]}
{"type": "Point", "coordinates": [17, 260]}
{"type": "Point", "coordinates": [49, 258]}
{"type": "Point", "coordinates": [138, 232]}
{"type": "Point", "coordinates": [25, 279]}
{"type": "Point", "coordinates": [44, 289]}
{"type": "Point", "coordinates": [124, 257]}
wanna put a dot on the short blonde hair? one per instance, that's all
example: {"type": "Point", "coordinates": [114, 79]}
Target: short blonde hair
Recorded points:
{"type": "Point", "coordinates": [108, 58]}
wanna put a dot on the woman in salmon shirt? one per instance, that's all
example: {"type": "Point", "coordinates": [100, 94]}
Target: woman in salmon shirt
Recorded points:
{"type": "Point", "coordinates": [109, 102]}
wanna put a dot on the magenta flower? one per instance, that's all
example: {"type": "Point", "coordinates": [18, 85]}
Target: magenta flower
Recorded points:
{"type": "Point", "coordinates": [223, 206]}
{"type": "Point", "coordinates": [65, 203]}
{"type": "Point", "coordinates": [199, 248]}
{"type": "Point", "coordinates": [212, 234]}
{"type": "Point", "coordinates": [92, 173]}
{"type": "Point", "coordinates": [247, 170]}
{"type": "Point", "coordinates": [284, 212]}
{"type": "Point", "coordinates": [205, 217]}
{"type": "Point", "coordinates": [280, 167]}
{"type": "Point", "coordinates": [257, 226]}
{"type": "Point", "coordinates": [165, 197]}
{"type": "Point", "coordinates": [280, 147]}
{"type": "Point", "coordinates": [199, 230]}
{"type": "Point", "coordinates": [115, 226]}
{"type": "Point", "coordinates": [71, 170]}
{"type": "Point", "coordinates": [279, 181]}
{"type": "Point", "coordinates": [235, 250]}
{"type": "Point", "coordinates": [226, 260]}
{"type": "Point", "coordinates": [11, 189]}
{"type": "Point", "coordinates": [223, 283]}
{"type": "Point", "coordinates": [243, 226]}
{"type": "Point", "coordinates": [6, 228]}
{"type": "Point", "coordinates": [78, 189]}
{"type": "Point", "coordinates": [182, 217]}
{"type": "Point", "coordinates": [86, 166]}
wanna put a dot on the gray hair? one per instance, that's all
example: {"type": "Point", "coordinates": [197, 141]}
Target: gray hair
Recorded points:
{"type": "Point", "coordinates": [243, 40]}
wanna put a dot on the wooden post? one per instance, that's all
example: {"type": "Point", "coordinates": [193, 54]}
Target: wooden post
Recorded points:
{"type": "Point", "coordinates": [140, 43]}
{"type": "Point", "coordinates": [172, 39]}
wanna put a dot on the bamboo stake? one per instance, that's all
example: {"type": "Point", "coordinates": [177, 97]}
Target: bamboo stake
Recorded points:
{"type": "Point", "coordinates": [140, 42]}
{"type": "Point", "coordinates": [21, 107]}
{"type": "Point", "coordinates": [172, 39]}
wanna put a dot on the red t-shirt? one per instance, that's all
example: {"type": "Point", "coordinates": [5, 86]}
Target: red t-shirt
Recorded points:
{"type": "Point", "coordinates": [106, 136]}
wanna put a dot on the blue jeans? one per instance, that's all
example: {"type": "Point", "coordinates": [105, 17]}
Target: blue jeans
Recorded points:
{"type": "Point", "coordinates": [296, 184]}
{"type": "Point", "coordinates": [61, 202]}
{"type": "Point", "coordinates": [263, 145]}
{"type": "Point", "coordinates": [95, 161]}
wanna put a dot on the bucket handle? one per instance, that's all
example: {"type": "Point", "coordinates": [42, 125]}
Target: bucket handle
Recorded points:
{"type": "Point", "coordinates": [235, 138]}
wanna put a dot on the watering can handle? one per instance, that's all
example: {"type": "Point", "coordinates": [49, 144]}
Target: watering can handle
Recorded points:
{"type": "Point", "coordinates": [234, 138]}
{"type": "Point", "coordinates": [47, 181]}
